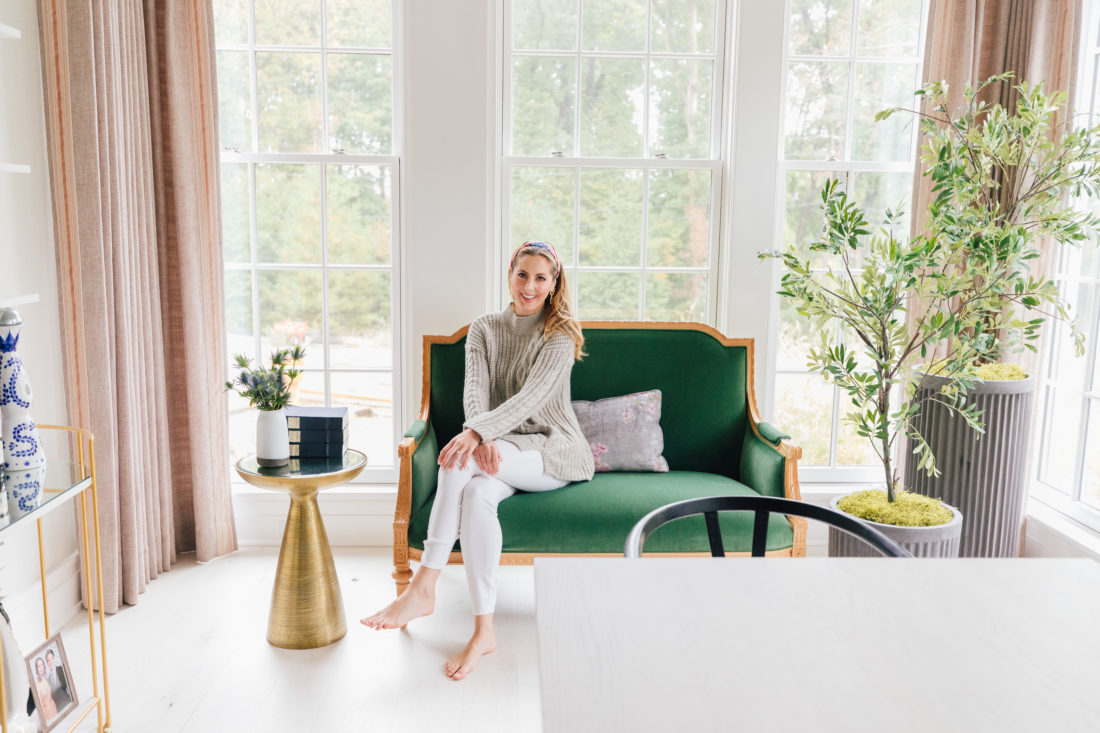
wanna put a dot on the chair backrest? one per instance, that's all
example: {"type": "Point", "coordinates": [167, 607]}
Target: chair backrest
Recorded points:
{"type": "Point", "coordinates": [704, 378]}
{"type": "Point", "coordinates": [763, 506]}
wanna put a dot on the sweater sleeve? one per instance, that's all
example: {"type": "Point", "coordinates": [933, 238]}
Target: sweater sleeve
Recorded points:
{"type": "Point", "coordinates": [551, 367]}
{"type": "Point", "coordinates": [475, 392]}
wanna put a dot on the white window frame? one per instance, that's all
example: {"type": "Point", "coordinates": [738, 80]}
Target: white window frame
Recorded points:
{"type": "Point", "coordinates": [372, 474]}
{"type": "Point", "coordinates": [720, 112]}
{"type": "Point", "coordinates": [831, 473]}
{"type": "Point", "coordinates": [1087, 108]}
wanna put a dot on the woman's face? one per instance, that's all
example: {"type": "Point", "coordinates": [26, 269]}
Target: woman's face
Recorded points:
{"type": "Point", "coordinates": [40, 667]}
{"type": "Point", "coordinates": [530, 282]}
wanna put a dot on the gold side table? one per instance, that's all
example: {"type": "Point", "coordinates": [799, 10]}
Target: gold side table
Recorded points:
{"type": "Point", "coordinates": [307, 609]}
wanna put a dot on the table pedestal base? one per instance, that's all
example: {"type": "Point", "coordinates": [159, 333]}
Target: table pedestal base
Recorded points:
{"type": "Point", "coordinates": [307, 609]}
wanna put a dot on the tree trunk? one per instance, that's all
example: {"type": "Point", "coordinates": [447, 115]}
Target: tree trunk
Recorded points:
{"type": "Point", "coordinates": [884, 426]}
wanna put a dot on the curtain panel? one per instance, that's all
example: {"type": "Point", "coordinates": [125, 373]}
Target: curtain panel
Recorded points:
{"type": "Point", "coordinates": [969, 41]}
{"type": "Point", "coordinates": [131, 135]}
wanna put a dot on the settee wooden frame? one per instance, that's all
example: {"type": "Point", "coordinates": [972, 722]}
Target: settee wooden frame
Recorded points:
{"type": "Point", "coordinates": [403, 554]}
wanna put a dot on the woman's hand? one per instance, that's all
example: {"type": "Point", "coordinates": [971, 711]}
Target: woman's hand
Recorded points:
{"type": "Point", "coordinates": [459, 449]}
{"type": "Point", "coordinates": [487, 456]}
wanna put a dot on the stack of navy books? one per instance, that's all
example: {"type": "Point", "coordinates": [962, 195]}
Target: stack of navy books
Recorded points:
{"type": "Point", "coordinates": [317, 432]}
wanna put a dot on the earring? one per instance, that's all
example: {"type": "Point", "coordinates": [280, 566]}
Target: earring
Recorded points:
{"type": "Point", "coordinates": [551, 295]}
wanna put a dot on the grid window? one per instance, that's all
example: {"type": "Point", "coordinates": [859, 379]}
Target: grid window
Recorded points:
{"type": "Point", "coordinates": [309, 178]}
{"type": "Point", "coordinates": [1068, 438]}
{"type": "Point", "coordinates": [611, 149]}
{"type": "Point", "coordinates": [845, 61]}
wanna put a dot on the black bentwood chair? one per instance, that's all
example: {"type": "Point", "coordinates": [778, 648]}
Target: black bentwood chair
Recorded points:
{"type": "Point", "coordinates": [763, 506]}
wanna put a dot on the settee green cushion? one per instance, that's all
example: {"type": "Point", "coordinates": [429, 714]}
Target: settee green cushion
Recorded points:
{"type": "Point", "coordinates": [596, 516]}
{"type": "Point", "coordinates": [704, 406]}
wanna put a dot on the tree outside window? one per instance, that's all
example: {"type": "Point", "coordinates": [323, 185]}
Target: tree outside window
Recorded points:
{"type": "Point", "coordinates": [612, 149]}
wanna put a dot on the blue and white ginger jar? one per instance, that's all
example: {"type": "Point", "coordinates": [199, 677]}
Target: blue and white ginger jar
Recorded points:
{"type": "Point", "coordinates": [24, 460]}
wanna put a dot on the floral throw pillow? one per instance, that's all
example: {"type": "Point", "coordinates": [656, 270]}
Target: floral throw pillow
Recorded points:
{"type": "Point", "coordinates": [624, 432]}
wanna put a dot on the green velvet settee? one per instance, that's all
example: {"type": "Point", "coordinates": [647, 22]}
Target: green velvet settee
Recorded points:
{"type": "Point", "coordinates": [715, 444]}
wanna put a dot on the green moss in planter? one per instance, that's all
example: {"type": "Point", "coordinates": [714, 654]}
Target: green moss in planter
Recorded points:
{"type": "Point", "coordinates": [908, 510]}
{"type": "Point", "coordinates": [995, 372]}
{"type": "Point", "coordinates": [988, 372]}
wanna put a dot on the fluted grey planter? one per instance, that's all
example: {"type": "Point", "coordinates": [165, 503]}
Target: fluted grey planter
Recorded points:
{"type": "Point", "coordinates": [983, 475]}
{"type": "Point", "coordinates": [939, 541]}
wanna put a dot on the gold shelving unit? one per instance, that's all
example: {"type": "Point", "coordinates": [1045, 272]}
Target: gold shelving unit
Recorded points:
{"type": "Point", "coordinates": [80, 484]}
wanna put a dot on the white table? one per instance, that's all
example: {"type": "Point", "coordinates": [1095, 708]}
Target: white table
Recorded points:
{"type": "Point", "coordinates": [814, 645]}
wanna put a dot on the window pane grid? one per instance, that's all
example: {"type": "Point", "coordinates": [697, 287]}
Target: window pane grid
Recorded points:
{"type": "Point", "coordinates": [1069, 439]}
{"type": "Point", "coordinates": [275, 48]}
{"type": "Point", "coordinates": [846, 166]}
{"type": "Point", "coordinates": [636, 56]}
{"type": "Point", "coordinates": [579, 53]}
{"type": "Point", "coordinates": [302, 266]}
{"type": "Point", "coordinates": [1070, 470]}
{"type": "Point", "coordinates": [849, 96]}
{"type": "Point", "coordinates": [646, 180]}
{"type": "Point", "coordinates": [325, 319]}
{"type": "Point", "coordinates": [812, 148]}
{"type": "Point", "coordinates": [646, 268]}
{"type": "Point", "coordinates": [713, 165]}
{"type": "Point", "coordinates": [794, 58]}
{"type": "Point", "coordinates": [641, 244]}
{"type": "Point", "coordinates": [647, 71]}
{"type": "Point", "coordinates": [372, 177]}
{"type": "Point", "coordinates": [612, 268]}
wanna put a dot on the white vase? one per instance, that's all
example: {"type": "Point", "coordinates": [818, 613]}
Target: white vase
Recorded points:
{"type": "Point", "coordinates": [272, 439]}
{"type": "Point", "coordinates": [16, 682]}
{"type": "Point", "coordinates": [24, 461]}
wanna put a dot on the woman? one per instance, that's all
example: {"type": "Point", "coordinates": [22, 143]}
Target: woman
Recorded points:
{"type": "Point", "coordinates": [45, 696]}
{"type": "Point", "coordinates": [520, 434]}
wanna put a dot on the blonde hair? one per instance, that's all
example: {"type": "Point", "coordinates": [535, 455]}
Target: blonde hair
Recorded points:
{"type": "Point", "coordinates": [559, 312]}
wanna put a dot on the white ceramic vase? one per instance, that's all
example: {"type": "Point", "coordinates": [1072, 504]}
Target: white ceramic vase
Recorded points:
{"type": "Point", "coordinates": [16, 682]}
{"type": "Point", "coordinates": [24, 460]}
{"type": "Point", "coordinates": [272, 439]}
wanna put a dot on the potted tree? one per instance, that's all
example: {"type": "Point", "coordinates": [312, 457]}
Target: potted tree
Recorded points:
{"type": "Point", "coordinates": [871, 282]}
{"type": "Point", "coordinates": [1002, 185]}
{"type": "Point", "coordinates": [268, 390]}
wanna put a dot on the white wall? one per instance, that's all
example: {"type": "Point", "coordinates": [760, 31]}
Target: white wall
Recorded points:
{"type": "Point", "coordinates": [755, 95]}
{"type": "Point", "coordinates": [448, 170]}
{"type": "Point", "coordinates": [27, 265]}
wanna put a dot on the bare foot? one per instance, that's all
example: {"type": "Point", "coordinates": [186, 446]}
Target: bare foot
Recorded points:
{"type": "Point", "coordinates": [413, 603]}
{"type": "Point", "coordinates": [461, 664]}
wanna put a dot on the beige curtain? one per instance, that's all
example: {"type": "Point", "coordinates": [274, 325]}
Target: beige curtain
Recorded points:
{"type": "Point", "coordinates": [971, 40]}
{"type": "Point", "coordinates": [131, 128]}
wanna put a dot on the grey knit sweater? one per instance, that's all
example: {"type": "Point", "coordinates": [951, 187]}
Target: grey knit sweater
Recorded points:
{"type": "Point", "coordinates": [517, 389]}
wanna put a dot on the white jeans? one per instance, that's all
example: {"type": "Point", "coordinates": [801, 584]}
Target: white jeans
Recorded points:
{"type": "Point", "coordinates": [466, 505]}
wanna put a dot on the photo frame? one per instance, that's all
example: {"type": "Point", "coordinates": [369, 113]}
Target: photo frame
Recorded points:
{"type": "Point", "coordinates": [52, 686]}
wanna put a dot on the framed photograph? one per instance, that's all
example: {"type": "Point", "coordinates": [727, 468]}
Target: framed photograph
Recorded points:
{"type": "Point", "coordinates": [52, 685]}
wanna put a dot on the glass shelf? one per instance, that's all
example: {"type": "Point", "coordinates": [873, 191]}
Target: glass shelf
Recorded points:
{"type": "Point", "coordinates": [64, 482]}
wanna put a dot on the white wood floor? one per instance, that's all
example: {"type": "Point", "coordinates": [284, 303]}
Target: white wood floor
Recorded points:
{"type": "Point", "coordinates": [192, 656]}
